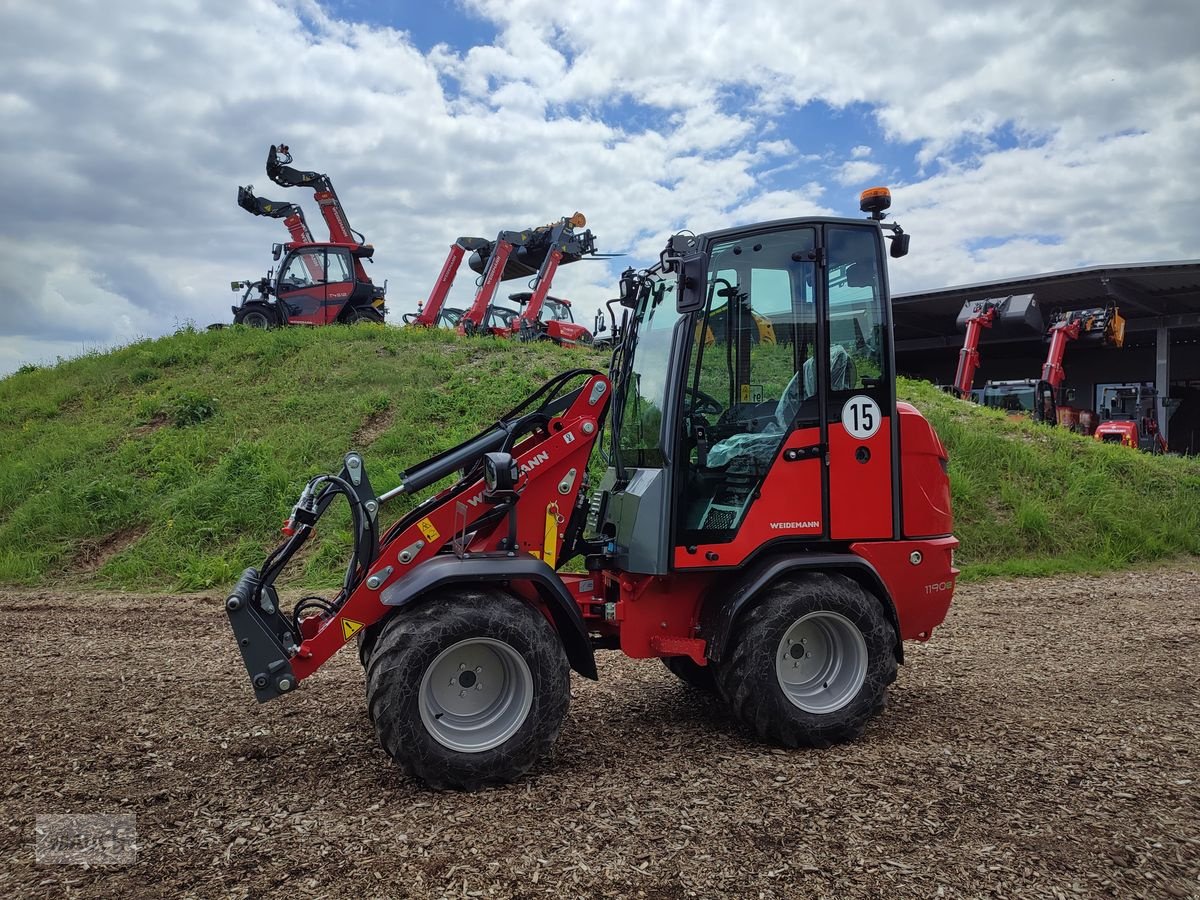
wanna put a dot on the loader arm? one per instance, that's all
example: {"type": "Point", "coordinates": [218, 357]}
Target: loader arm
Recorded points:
{"type": "Point", "coordinates": [284, 175]}
{"type": "Point", "coordinates": [1102, 324]}
{"type": "Point", "coordinates": [292, 215]}
{"type": "Point", "coordinates": [535, 251]}
{"type": "Point", "coordinates": [548, 438]}
{"type": "Point", "coordinates": [968, 356]}
{"type": "Point", "coordinates": [427, 315]}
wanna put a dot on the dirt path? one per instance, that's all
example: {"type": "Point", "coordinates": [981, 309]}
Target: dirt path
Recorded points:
{"type": "Point", "coordinates": [1046, 743]}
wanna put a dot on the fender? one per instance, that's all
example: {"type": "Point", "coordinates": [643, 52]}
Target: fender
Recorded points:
{"type": "Point", "coordinates": [449, 569]}
{"type": "Point", "coordinates": [723, 603]}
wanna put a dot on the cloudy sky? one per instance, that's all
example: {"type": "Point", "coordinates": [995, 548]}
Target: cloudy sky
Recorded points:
{"type": "Point", "coordinates": [1031, 137]}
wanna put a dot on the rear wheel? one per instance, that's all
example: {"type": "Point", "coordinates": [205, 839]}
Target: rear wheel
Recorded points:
{"type": "Point", "coordinates": [810, 662]}
{"type": "Point", "coordinates": [468, 689]}
{"type": "Point", "coordinates": [255, 315]}
{"type": "Point", "coordinates": [686, 670]}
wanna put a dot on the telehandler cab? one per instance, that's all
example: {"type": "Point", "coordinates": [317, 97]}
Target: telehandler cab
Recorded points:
{"type": "Point", "coordinates": [772, 524]}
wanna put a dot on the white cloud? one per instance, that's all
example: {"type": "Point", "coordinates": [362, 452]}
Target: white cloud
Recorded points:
{"type": "Point", "coordinates": [857, 171]}
{"type": "Point", "coordinates": [1059, 133]}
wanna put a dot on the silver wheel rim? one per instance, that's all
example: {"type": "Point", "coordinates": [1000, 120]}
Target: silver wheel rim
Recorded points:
{"type": "Point", "coordinates": [475, 695]}
{"type": "Point", "coordinates": [821, 662]}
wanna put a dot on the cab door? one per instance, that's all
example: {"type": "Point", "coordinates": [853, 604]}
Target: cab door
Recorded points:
{"type": "Point", "coordinates": [751, 468]}
{"type": "Point", "coordinates": [859, 387]}
{"type": "Point", "coordinates": [339, 283]}
{"type": "Point", "coordinates": [300, 288]}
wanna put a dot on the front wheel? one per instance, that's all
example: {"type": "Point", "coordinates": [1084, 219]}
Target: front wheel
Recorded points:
{"type": "Point", "coordinates": [255, 315]}
{"type": "Point", "coordinates": [809, 664]}
{"type": "Point", "coordinates": [468, 689]}
{"type": "Point", "coordinates": [364, 314]}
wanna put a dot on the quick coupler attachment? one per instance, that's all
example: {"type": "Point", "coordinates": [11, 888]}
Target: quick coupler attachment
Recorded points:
{"type": "Point", "coordinates": [264, 636]}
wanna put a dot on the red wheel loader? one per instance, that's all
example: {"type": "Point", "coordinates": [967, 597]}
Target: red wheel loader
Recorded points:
{"type": "Point", "coordinates": [1129, 417]}
{"type": "Point", "coordinates": [318, 283]}
{"type": "Point", "coordinates": [772, 525]}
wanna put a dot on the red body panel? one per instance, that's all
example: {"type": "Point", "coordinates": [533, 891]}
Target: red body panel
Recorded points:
{"type": "Point", "coordinates": [860, 493]}
{"type": "Point", "coordinates": [925, 489]}
{"type": "Point", "coordinates": [920, 591]}
{"type": "Point", "coordinates": [316, 305]}
{"type": "Point", "coordinates": [789, 506]}
{"type": "Point", "coordinates": [1129, 434]}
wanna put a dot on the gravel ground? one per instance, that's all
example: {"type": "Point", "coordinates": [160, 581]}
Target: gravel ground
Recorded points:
{"type": "Point", "coordinates": [1045, 743]}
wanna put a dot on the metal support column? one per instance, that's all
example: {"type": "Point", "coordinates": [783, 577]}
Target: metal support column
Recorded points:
{"type": "Point", "coordinates": [1162, 377]}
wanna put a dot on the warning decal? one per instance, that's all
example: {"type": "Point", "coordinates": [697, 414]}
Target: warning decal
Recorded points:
{"type": "Point", "coordinates": [427, 529]}
{"type": "Point", "coordinates": [350, 628]}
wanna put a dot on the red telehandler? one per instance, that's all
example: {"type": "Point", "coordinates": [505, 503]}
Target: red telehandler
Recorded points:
{"type": "Point", "coordinates": [536, 252]}
{"type": "Point", "coordinates": [1043, 398]}
{"type": "Point", "coordinates": [1014, 312]}
{"type": "Point", "coordinates": [772, 525]}
{"type": "Point", "coordinates": [318, 283]}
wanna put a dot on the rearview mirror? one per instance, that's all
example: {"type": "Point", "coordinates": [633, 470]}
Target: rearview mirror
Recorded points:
{"type": "Point", "coordinates": [691, 284]}
{"type": "Point", "coordinates": [276, 251]}
{"type": "Point", "coordinates": [899, 246]}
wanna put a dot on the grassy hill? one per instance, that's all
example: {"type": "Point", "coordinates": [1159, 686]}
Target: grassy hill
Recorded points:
{"type": "Point", "coordinates": [171, 463]}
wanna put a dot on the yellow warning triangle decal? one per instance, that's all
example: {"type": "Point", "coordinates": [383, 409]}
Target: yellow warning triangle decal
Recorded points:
{"type": "Point", "coordinates": [350, 628]}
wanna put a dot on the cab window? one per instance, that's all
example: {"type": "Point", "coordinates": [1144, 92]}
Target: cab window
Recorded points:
{"type": "Point", "coordinates": [305, 268]}
{"type": "Point", "coordinates": [752, 376]}
{"type": "Point", "coordinates": [856, 345]}
{"type": "Point", "coordinates": [338, 268]}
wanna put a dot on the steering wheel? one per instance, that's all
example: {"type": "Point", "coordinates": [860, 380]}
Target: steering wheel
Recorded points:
{"type": "Point", "coordinates": [708, 405]}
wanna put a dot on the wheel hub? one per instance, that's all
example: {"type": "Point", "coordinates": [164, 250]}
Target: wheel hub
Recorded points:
{"type": "Point", "coordinates": [821, 662]}
{"type": "Point", "coordinates": [475, 695]}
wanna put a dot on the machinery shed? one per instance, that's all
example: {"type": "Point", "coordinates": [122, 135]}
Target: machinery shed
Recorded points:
{"type": "Point", "coordinates": [1160, 302]}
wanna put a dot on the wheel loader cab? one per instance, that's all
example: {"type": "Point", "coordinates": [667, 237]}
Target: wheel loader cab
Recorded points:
{"type": "Point", "coordinates": [725, 443]}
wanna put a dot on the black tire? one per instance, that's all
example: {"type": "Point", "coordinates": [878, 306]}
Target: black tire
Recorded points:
{"type": "Point", "coordinates": [748, 677]}
{"type": "Point", "coordinates": [366, 643]}
{"type": "Point", "coordinates": [414, 640]}
{"type": "Point", "coordinates": [685, 669]}
{"type": "Point", "coordinates": [255, 315]}
{"type": "Point", "coordinates": [363, 314]}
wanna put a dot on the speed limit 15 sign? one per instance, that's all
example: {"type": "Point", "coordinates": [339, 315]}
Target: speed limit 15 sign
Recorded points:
{"type": "Point", "coordinates": [861, 417]}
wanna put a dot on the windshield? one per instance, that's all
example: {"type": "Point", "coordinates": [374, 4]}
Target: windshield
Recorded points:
{"type": "Point", "coordinates": [638, 424]}
{"type": "Point", "coordinates": [558, 312]}
{"type": "Point", "coordinates": [1012, 398]}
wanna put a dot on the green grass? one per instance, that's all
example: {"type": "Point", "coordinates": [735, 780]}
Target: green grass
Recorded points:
{"type": "Point", "coordinates": [1033, 500]}
{"type": "Point", "coordinates": [171, 463]}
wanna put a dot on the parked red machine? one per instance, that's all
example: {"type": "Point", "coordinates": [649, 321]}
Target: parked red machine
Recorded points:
{"type": "Point", "coordinates": [318, 283]}
{"type": "Point", "coordinates": [1043, 398]}
{"type": "Point", "coordinates": [1016, 312]}
{"type": "Point", "coordinates": [536, 252]}
{"type": "Point", "coordinates": [1130, 418]}
{"type": "Point", "coordinates": [772, 525]}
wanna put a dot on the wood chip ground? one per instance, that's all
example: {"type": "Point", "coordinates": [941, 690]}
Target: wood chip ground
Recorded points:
{"type": "Point", "coordinates": [1045, 743]}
